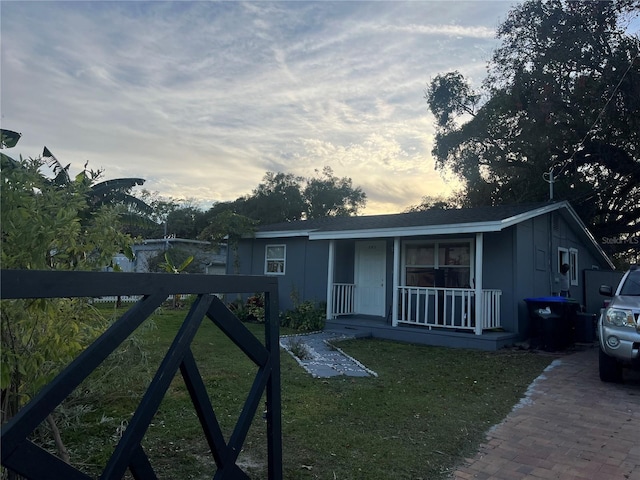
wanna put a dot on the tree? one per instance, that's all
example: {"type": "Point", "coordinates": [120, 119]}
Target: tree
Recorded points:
{"type": "Point", "coordinates": [278, 199]}
{"type": "Point", "coordinates": [284, 197]}
{"type": "Point", "coordinates": [329, 196]}
{"type": "Point", "coordinates": [45, 226]}
{"type": "Point", "coordinates": [132, 211]}
{"type": "Point", "coordinates": [228, 226]}
{"type": "Point", "coordinates": [438, 202]}
{"type": "Point", "coordinates": [562, 97]}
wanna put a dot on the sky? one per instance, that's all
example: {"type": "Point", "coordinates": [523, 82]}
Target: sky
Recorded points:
{"type": "Point", "coordinates": [201, 99]}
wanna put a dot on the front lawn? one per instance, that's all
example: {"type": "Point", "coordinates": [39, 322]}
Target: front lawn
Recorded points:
{"type": "Point", "coordinates": [428, 408]}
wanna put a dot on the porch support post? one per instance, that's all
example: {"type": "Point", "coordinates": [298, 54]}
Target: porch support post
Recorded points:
{"type": "Point", "coordinates": [478, 284]}
{"type": "Point", "coordinates": [330, 265]}
{"type": "Point", "coordinates": [396, 280]}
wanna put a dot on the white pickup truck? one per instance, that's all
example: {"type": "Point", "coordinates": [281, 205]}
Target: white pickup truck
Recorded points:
{"type": "Point", "coordinates": [619, 327]}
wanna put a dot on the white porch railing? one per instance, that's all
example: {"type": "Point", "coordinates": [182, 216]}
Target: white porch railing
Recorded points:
{"type": "Point", "coordinates": [447, 307]}
{"type": "Point", "coordinates": [343, 300]}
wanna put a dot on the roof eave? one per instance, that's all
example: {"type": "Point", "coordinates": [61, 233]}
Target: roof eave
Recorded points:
{"type": "Point", "coordinates": [462, 228]}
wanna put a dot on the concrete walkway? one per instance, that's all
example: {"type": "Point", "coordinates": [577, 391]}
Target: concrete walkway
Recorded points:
{"type": "Point", "coordinates": [569, 426]}
{"type": "Point", "coordinates": [321, 356]}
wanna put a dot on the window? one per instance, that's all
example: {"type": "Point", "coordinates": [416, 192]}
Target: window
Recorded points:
{"type": "Point", "coordinates": [570, 256]}
{"type": "Point", "coordinates": [573, 266]}
{"type": "Point", "coordinates": [275, 259]}
{"type": "Point", "coordinates": [438, 264]}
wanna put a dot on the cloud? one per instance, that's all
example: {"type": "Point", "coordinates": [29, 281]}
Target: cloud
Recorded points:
{"type": "Point", "coordinates": [202, 98]}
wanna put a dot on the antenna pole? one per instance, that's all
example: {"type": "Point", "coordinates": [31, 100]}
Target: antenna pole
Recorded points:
{"type": "Point", "coordinates": [551, 184]}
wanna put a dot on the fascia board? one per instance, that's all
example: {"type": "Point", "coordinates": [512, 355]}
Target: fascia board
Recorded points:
{"type": "Point", "coordinates": [589, 235]}
{"type": "Point", "coordinates": [407, 231]}
{"type": "Point", "coordinates": [508, 222]}
{"type": "Point", "coordinates": [282, 234]}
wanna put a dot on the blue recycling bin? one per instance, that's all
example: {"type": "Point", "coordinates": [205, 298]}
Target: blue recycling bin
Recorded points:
{"type": "Point", "coordinates": [552, 322]}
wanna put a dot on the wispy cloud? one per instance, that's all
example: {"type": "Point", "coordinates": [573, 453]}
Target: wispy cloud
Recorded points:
{"type": "Point", "coordinates": [202, 98]}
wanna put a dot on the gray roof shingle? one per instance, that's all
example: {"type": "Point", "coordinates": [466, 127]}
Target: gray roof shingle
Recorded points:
{"type": "Point", "coordinates": [431, 217]}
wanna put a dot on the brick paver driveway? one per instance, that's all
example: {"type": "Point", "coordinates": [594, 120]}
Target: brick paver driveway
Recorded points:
{"type": "Point", "coordinates": [571, 426]}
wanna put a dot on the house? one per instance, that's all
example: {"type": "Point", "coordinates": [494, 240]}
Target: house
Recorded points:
{"type": "Point", "coordinates": [439, 277]}
{"type": "Point", "coordinates": [206, 260]}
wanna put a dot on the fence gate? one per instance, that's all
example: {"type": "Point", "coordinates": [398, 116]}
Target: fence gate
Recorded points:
{"type": "Point", "coordinates": [25, 458]}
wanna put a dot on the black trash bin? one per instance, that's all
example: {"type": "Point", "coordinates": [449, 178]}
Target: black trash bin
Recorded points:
{"type": "Point", "coordinates": [552, 322]}
{"type": "Point", "coordinates": [585, 327]}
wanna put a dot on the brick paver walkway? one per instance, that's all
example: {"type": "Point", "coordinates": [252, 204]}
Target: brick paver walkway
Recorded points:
{"type": "Point", "coordinates": [570, 426]}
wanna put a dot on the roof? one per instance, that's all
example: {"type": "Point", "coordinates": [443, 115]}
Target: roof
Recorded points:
{"type": "Point", "coordinates": [428, 222]}
{"type": "Point", "coordinates": [434, 221]}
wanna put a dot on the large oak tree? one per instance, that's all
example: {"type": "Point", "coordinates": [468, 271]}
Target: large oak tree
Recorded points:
{"type": "Point", "coordinates": [562, 98]}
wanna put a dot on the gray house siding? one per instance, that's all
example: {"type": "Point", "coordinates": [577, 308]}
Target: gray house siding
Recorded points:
{"type": "Point", "coordinates": [497, 272]}
{"type": "Point", "coordinates": [520, 259]}
{"type": "Point", "coordinates": [314, 277]}
{"type": "Point", "coordinates": [305, 275]}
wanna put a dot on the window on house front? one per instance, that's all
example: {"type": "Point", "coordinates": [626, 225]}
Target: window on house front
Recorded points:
{"type": "Point", "coordinates": [446, 264]}
{"type": "Point", "coordinates": [573, 266]}
{"type": "Point", "coordinates": [275, 259]}
{"type": "Point", "coordinates": [569, 256]}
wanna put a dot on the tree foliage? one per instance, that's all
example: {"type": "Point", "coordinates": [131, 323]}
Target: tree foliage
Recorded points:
{"type": "Point", "coordinates": [115, 193]}
{"type": "Point", "coordinates": [326, 195]}
{"type": "Point", "coordinates": [284, 197]}
{"type": "Point", "coordinates": [562, 95]}
{"type": "Point", "coordinates": [45, 226]}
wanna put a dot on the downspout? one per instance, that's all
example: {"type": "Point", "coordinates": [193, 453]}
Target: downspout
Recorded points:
{"type": "Point", "coordinates": [478, 284]}
{"type": "Point", "coordinates": [396, 280]}
{"type": "Point", "coordinates": [330, 265]}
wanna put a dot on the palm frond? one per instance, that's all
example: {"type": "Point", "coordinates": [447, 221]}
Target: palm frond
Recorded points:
{"type": "Point", "coordinates": [61, 173]}
{"type": "Point", "coordinates": [9, 138]}
{"type": "Point", "coordinates": [133, 219]}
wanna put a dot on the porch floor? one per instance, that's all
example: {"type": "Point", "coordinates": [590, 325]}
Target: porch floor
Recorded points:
{"type": "Point", "coordinates": [378, 327]}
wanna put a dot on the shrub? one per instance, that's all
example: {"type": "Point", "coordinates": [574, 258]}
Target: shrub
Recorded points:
{"type": "Point", "coordinates": [306, 317]}
{"type": "Point", "coordinates": [250, 311]}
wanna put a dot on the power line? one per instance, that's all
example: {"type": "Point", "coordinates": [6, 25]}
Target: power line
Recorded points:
{"type": "Point", "coordinates": [570, 159]}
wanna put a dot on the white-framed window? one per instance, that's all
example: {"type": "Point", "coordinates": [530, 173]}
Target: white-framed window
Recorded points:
{"type": "Point", "coordinates": [573, 266]}
{"type": "Point", "coordinates": [275, 258]}
{"type": "Point", "coordinates": [437, 264]}
{"type": "Point", "coordinates": [570, 257]}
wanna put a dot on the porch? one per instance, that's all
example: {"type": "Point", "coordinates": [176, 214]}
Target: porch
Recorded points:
{"type": "Point", "coordinates": [377, 327]}
{"type": "Point", "coordinates": [458, 309]}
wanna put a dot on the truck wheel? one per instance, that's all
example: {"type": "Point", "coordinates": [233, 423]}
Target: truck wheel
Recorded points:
{"type": "Point", "coordinates": [610, 369]}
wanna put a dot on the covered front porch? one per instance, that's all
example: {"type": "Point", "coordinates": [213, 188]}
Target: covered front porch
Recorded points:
{"type": "Point", "coordinates": [463, 310]}
{"type": "Point", "coordinates": [368, 327]}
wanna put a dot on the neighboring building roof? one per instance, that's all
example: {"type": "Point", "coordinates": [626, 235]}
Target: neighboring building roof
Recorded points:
{"type": "Point", "coordinates": [428, 222]}
{"type": "Point", "coordinates": [150, 241]}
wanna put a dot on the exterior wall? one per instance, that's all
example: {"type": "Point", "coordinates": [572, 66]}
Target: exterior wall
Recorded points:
{"type": "Point", "coordinates": [205, 260]}
{"type": "Point", "coordinates": [531, 264]}
{"type": "Point", "coordinates": [536, 261]}
{"type": "Point", "coordinates": [305, 275]}
{"type": "Point", "coordinates": [564, 236]}
{"type": "Point", "coordinates": [497, 272]}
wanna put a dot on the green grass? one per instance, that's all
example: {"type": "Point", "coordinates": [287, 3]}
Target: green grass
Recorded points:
{"type": "Point", "coordinates": [429, 408]}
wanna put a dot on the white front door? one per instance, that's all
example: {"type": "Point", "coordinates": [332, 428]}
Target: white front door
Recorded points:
{"type": "Point", "coordinates": [370, 271]}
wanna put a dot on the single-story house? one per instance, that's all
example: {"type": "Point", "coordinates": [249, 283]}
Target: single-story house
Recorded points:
{"type": "Point", "coordinates": [206, 259]}
{"type": "Point", "coordinates": [454, 277]}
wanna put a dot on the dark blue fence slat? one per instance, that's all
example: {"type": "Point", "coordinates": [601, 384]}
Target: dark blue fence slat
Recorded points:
{"type": "Point", "coordinates": [238, 333]}
{"type": "Point", "coordinates": [140, 467]}
{"type": "Point", "coordinates": [204, 409]}
{"type": "Point", "coordinates": [21, 456]}
{"type": "Point", "coordinates": [31, 461]}
{"type": "Point", "coordinates": [32, 415]}
{"type": "Point", "coordinates": [133, 435]}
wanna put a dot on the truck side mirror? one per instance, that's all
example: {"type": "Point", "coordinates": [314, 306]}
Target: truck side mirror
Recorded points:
{"type": "Point", "coordinates": [606, 290]}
